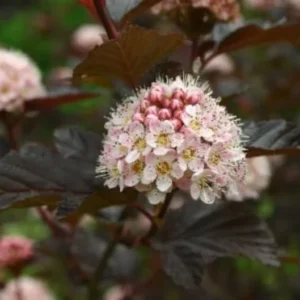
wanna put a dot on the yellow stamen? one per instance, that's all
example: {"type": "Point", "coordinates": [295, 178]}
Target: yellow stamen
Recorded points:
{"type": "Point", "coordinates": [163, 139]}
{"type": "Point", "coordinates": [188, 154]}
{"type": "Point", "coordinates": [163, 168]}
{"type": "Point", "coordinates": [140, 144]}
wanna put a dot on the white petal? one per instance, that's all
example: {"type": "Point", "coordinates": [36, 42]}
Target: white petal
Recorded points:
{"type": "Point", "coordinates": [160, 151]}
{"type": "Point", "coordinates": [132, 156]}
{"type": "Point", "coordinates": [156, 197]}
{"type": "Point", "coordinates": [177, 139]}
{"type": "Point", "coordinates": [177, 172]}
{"type": "Point", "coordinates": [191, 110]}
{"type": "Point", "coordinates": [163, 183]}
{"type": "Point", "coordinates": [207, 196]}
{"type": "Point", "coordinates": [196, 165]}
{"type": "Point", "coordinates": [195, 191]}
{"type": "Point", "coordinates": [206, 133]}
{"type": "Point", "coordinates": [149, 174]}
{"type": "Point", "coordinates": [131, 180]}
{"type": "Point", "coordinates": [112, 182]}
{"type": "Point", "coordinates": [137, 129]}
{"type": "Point", "coordinates": [151, 140]}
{"type": "Point", "coordinates": [182, 164]}
{"type": "Point", "coordinates": [167, 127]}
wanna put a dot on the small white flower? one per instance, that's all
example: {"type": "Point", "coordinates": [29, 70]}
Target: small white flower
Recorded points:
{"type": "Point", "coordinates": [162, 170]}
{"type": "Point", "coordinates": [162, 137]}
{"type": "Point", "coordinates": [204, 187]}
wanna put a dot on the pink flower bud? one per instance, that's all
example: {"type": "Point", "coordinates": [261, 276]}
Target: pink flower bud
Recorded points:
{"type": "Point", "coordinates": [164, 114]}
{"type": "Point", "coordinates": [194, 97]}
{"type": "Point", "coordinates": [176, 123]}
{"type": "Point", "coordinates": [166, 103]}
{"type": "Point", "coordinates": [138, 117]}
{"type": "Point", "coordinates": [152, 110]}
{"type": "Point", "coordinates": [149, 119]}
{"type": "Point", "coordinates": [144, 105]}
{"type": "Point", "coordinates": [176, 104]}
{"type": "Point", "coordinates": [178, 94]}
{"type": "Point", "coordinates": [177, 114]}
{"type": "Point", "coordinates": [155, 94]}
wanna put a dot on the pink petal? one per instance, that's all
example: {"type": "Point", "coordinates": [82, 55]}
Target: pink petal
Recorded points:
{"type": "Point", "coordinates": [196, 165]}
{"type": "Point", "coordinates": [131, 180]}
{"type": "Point", "coordinates": [167, 127]}
{"type": "Point", "coordinates": [177, 139]}
{"type": "Point", "coordinates": [177, 172]}
{"type": "Point", "coordinates": [182, 164]}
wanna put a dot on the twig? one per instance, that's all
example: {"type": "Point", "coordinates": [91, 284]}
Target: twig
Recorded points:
{"type": "Point", "coordinates": [144, 212]}
{"type": "Point", "coordinates": [160, 215]}
{"type": "Point", "coordinates": [56, 228]}
{"type": "Point", "coordinates": [107, 22]}
{"type": "Point", "coordinates": [99, 272]}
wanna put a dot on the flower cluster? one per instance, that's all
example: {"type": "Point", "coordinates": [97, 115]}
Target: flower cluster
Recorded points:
{"type": "Point", "coordinates": [20, 80]}
{"type": "Point", "coordinates": [15, 251]}
{"type": "Point", "coordinates": [173, 134]}
{"type": "Point", "coordinates": [25, 288]}
{"type": "Point", "coordinates": [225, 10]}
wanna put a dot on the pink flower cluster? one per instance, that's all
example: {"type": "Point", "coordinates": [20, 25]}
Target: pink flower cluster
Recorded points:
{"type": "Point", "coordinates": [20, 80]}
{"type": "Point", "coordinates": [225, 10]}
{"type": "Point", "coordinates": [15, 251]}
{"type": "Point", "coordinates": [25, 288]}
{"type": "Point", "coordinates": [173, 135]}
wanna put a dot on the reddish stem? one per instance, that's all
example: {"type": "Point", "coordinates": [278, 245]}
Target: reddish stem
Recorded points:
{"type": "Point", "coordinates": [107, 22]}
{"type": "Point", "coordinates": [56, 228]}
{"type": "Point", "coordinates": [144, 212]}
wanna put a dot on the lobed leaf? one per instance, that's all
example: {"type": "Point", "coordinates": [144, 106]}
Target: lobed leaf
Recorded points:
{"type": "Point", "coordinates": [53, 100]}
{"type": "Point", "coordinates": [127, 57]}
{"type": "Point", "coordinates": [197, 234]}
{"type": "Point", "coordinates": [254, 35]}
{"type": "Point", "coordinates": [38, 176]}
{"type": "Point", "coordinates": [272, 137]}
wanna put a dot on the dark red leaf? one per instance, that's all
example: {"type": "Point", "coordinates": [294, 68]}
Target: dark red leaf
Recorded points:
{"type": "Point", "coordinates": [51, 102]}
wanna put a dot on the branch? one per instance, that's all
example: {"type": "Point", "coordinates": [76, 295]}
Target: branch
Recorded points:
{"type": "Point", "coordinates": [99, 272]}
{"type": "Point", "coordinates": [160, 215]}
{"type": "Point", "coordinates": [107, 22]}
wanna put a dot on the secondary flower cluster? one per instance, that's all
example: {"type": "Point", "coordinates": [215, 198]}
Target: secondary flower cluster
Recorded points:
{"type": "Point", "coordinates": [25, 288]}
{"type": "Point", "coordinates": [20, 80]}
{"type": "Point", "coordinates": [225, 10]}
{"type": "Point", "coordinates": [15, 251]}
{"type": "Point", "coordinates": [173, 134]}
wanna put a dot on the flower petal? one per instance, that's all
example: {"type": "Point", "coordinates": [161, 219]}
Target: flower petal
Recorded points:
{"type": "Point", "coordinates": [196, 165]}
{"type": "Point", "coordinates": [163, 183]}
{"type": "Point", "coordinates": [195, 191]}
{"type": "Point", "coordinates": [149, 174]}
{"type": "Point", "coordinates": [131, 180]}
{"type": "Point", "coordinates": [182, 164]}
{"type": "Point", "coordinates": [160, 151]}
{"type": "Point", "coordinates": [151, 140]}
{"type": "Point", "coordinates": [177, 139]}
{"type": "Point", "coordinates": [156, 197]}
{"type": "Point", "coordinates": [132, 156]}
{"type": "Point", "coordinates": [177, 172]}
{"type": "Point", "coordinates": [207, 195]}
